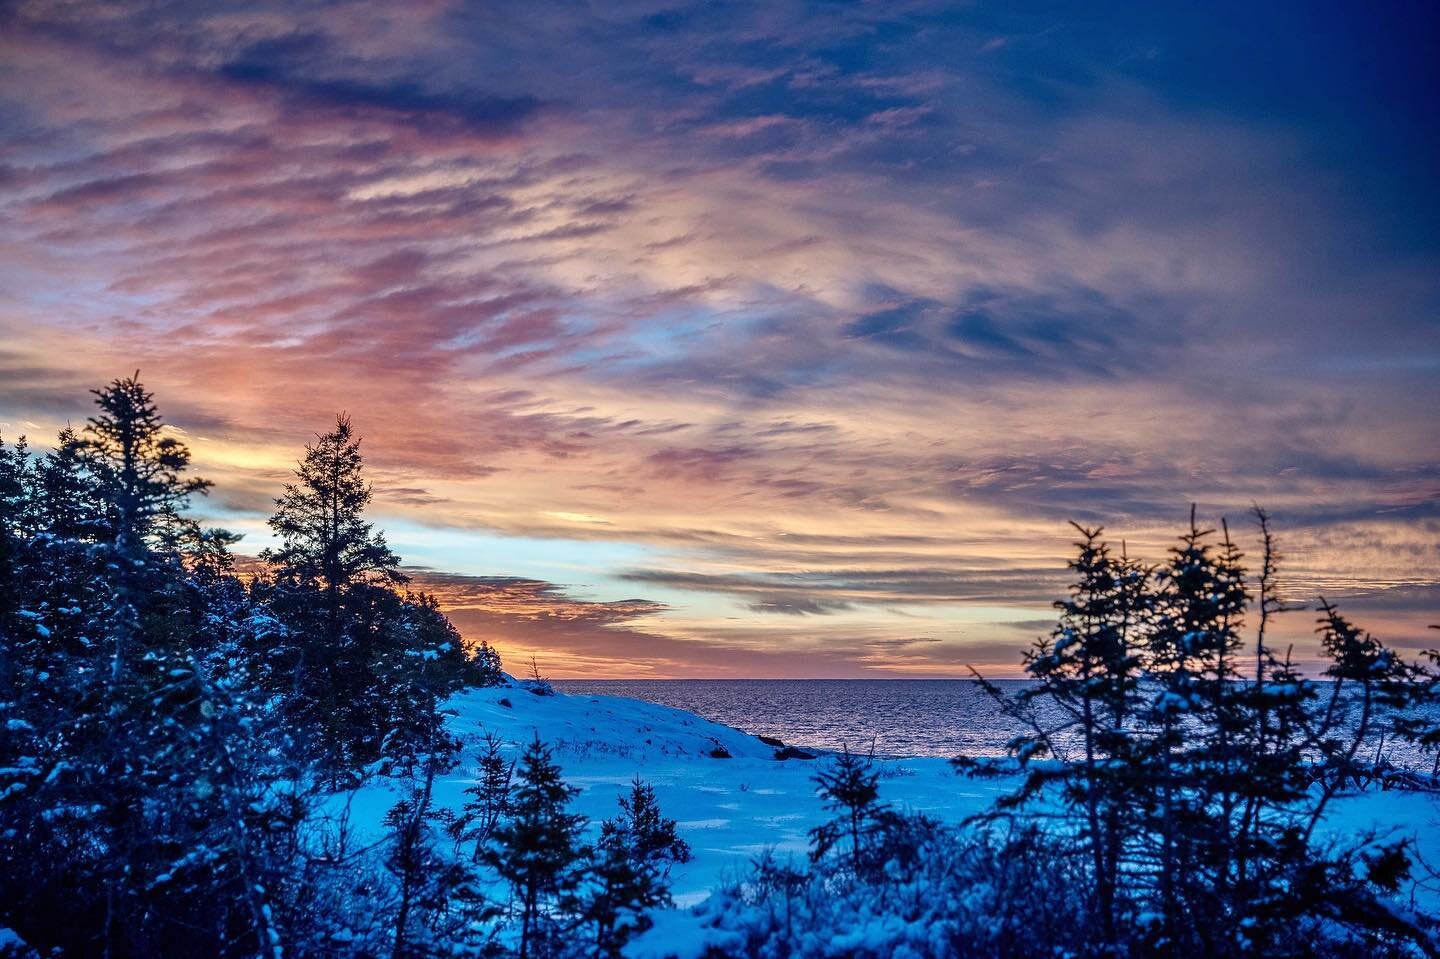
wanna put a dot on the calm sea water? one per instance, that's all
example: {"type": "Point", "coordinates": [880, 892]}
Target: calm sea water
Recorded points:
{"type": "Point", "coordinates": [902, 717]}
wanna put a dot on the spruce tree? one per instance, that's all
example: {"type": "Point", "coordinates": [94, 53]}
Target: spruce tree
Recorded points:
{"type": "Point", "coordinates": [486, 667]}
{"type": "Point", "coordinates": [536, 849]}
{"type": "Point", "coordinates": [324, 539]}
{"type": "Point", "coordinates": [1419, 723]}
{"type": "Point", "coordinates": [151, 788]}
{"type": "Point", "coordinates": [15, 513]}
{"type": "Point", "coordinates": [369, 667]}
{"type": "Point", "coordinates": [138, 467]}
{"type": "Point", "coordinates": [333, 586]}
{"type": "Point", "coordinates": [1191, 797]}
{"type": "Point", "coordinates": [1192, 653]}
{"type": "Point", "coordinates": [1366, 679]}
{"type": "Point", "coordinates": [419, 659]}
{"type": "Point", "coordinates": [138, 782]}
{"type": "Point", "coordinates": [651, 835]}
{"type": "Point", "coordinates": [67, 498]}
{"type": "Point", "coordinates": [425, 878]}
{"type": "Point", "coordinates": [1086, 696]}
{"type": "Point", "coordinates": [850, 788]}
{"type": "Point", "coordinates": [488, 798]}
{"type": "Point", "coordinates": [629, 869]}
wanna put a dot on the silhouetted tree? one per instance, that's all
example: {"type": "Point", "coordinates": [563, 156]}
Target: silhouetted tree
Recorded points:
{"type": "Point", "coordinates": [141, 789]}
{"type": "Point", "coordinates": [431, 887]}
{"type": "Point", "coordinates": [138, 468]}
{"type": "Point", "coordinates": [1089, 667]}
{"type": "Point", "coordinates": [67, 499]}
{"type": "Point", "coordinates": [1197, 790]}
{"type": "Point", "coordinates": [334, 580]}
{"type": "Point", "coordinates": [324, 538]}
{"type": "Point", "coordinates": [154, 794]}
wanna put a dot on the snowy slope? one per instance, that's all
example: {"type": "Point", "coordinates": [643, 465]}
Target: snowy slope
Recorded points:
{"type": "Point", "coordinates": [596, 727]}
{"type": "Point", "coordinates": [731, 810]}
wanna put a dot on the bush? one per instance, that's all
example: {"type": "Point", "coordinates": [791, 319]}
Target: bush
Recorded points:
{"type": "Point", "coordinates": [941, 893]}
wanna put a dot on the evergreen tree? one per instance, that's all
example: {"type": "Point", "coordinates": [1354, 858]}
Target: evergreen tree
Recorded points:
{"type": "Point", "coordinates": [1191, 655]}
{"type": "Point", "coordinates": [15, 487]}
{"type": "Point", "coordinates": [850, 788]}
{"type": "Point", "coordinates": [369, 667]}
{"type": "Point", "coordinates": [333, 586]}
{"type": "Point", "coordinates": [628, 873]}
{"type": "Point", "coordinates": [652, 837]}
{"type": "Point", "coordinates": [487, 669]}
{"type": "Point", "coordinates": [135, 789]}
{"type": "Point", "coordinates": [324, 539]}
{"type": "Point", "coordinates": [1366, 678]}
{"type": "Point", "coordinates": [139, 742]}
{"type": "Point", "coordinates": [431, 887]}
{"type": "Point", "coordinates": [151, 784]}
{"type": "Point", "coordinates": [421, 661]}
{"type": "Point", "coordinates": [52, 593]}
{"type": "Point", "coordinates": [16, 493]}
{"type": "Point", "coordinates": [489, 798]}
{"type": "Point", "coordinates": [68, 498]}
{"type": "Point", "coordinates": [1089, 668]}
{"type": "Point", "coordinates": [1420, 722]}
{"type": "Point", "coordinates": [1192, 793]}
{"type": "Point", "coordinates": [137, 467]}
{"type": "Point", "coordinates": [535, 850]}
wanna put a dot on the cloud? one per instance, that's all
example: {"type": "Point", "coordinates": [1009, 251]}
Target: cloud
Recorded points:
{"type": "Point", "coordinates": [528, 598]}
{"type": "Point", "coordinates": [573, 638]}
{"type": "Point", "coordinates": [278, 64]}
{"type": "Point", "coordinates": [798, 605]}
{"type": "Point", "coordinates": [815, 321]}
{"type": "Point", "coordinates": [1018, 334]}
{"type": "Point", "coordinates": [830, 590]}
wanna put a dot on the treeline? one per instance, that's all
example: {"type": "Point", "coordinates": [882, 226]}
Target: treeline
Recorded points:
{"type": "Point", "coordinates": [1174, 784]}
{"type": "Point", "coordinates": [173, 734]}
{"type": "Point", "coordinates": [177, 741]}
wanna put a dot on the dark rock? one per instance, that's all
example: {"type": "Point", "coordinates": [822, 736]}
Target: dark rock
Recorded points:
{"type": "Point", "coordinates": [790, 752]}
{"type": "Point", "coordinates": [770, 741]}
{"type": "Point", "coordinates": [720, 752]}
{"type": "Point", "coordinates": [507, 704]}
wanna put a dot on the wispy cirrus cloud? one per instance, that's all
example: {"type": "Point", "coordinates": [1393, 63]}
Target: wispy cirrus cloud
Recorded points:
{"type": "Point", "coordinates": [819, 321]}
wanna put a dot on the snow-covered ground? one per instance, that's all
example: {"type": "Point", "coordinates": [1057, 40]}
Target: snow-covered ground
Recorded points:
{"type": "Point", "coordinates": [731, 810]}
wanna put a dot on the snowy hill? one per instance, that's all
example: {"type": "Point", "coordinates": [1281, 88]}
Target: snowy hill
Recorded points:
{"type": "Point", "coordinates": [586, 727]}
{"type": "Point", "coordinates": [733, 809]}
{"type": "Point", "coordinates": [729, 810]}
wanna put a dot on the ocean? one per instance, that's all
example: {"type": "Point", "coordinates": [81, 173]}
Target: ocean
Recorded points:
{"type": "Point", "coordinates": [900, 717]}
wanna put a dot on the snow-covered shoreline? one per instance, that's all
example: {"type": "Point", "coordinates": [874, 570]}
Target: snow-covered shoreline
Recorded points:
{"type": "Point", "coordinates": [728, 809]}
{"type": "Point", "coordinates": [733, 809]}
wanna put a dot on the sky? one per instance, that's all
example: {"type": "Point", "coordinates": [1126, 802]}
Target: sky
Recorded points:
{"type": "Point", "coordinates": [767, 340]}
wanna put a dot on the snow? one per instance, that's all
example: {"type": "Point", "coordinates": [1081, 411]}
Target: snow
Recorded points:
{"type": "Point", "coordinates": [733, 810]}
{"type": "Point", "coordinates": [729, 810]}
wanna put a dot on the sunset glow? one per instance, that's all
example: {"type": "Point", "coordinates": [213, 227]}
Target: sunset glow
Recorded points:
{"type": "Point", "coordinates": [770, 341]}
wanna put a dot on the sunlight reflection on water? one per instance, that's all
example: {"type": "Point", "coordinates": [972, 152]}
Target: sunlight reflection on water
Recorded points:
{"type": "Point", "coordinates": [903, 717]}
